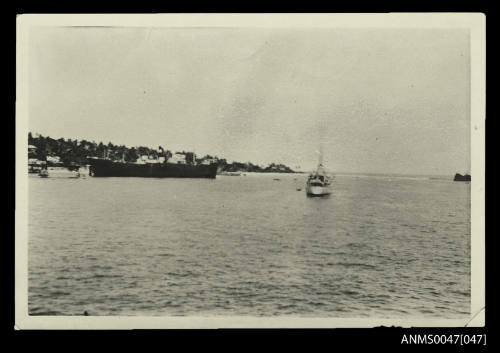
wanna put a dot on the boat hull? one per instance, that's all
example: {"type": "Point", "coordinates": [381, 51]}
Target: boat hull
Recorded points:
{"type": "Point", "coordinates": [62, 172]}
{"type": "Point", "coordinates": [317, 191]}
{"type": "Point", "coordinates": [106, 168]}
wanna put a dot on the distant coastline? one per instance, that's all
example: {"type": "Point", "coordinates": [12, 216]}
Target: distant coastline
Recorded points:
{"type": "Point", "coordinates": [75, 153]}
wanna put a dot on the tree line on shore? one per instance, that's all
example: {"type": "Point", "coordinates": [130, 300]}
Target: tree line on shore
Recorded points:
{"type": "Point", "coordinates": [75, 152]}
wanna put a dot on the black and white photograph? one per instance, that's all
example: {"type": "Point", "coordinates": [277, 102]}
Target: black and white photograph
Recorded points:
{"type": "Point", "coordinates": [250, 170]}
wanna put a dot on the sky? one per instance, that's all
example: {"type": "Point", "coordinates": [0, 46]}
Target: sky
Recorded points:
{"type": "Point", "coordinates": [376, 100]}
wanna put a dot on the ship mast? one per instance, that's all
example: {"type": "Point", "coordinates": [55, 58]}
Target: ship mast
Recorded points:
{"type": "Point", "coordinates": [319, 169]}
{"type": "Point", "coordinates": [320, 163]}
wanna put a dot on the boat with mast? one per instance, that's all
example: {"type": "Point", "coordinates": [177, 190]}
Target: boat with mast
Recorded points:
{"type": "Point", "coordinates": [318, 182]}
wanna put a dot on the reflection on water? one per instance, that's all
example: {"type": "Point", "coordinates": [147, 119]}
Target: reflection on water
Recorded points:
{"type": "Point", "coordinates": [249, 245]}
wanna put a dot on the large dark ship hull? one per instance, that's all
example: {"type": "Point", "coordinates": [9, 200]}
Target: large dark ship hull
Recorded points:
{"type": "Point", "coordinates": [107, 168]}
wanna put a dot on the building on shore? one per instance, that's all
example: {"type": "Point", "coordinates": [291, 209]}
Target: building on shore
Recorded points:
{"type": "Point", "coordinates": [208, 161]}
{"type": "Point", "coordinates": [182, 158]}
{"type": "Point", "coordinates": [55, 160]}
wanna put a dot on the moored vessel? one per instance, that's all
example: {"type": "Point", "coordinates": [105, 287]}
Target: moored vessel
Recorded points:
{"type": "Point", "coordinates": [43, 173]}
{"type": "Point", "coordinates": [318, 182]}
{"type": "Point", "coordinates": [100, 167]}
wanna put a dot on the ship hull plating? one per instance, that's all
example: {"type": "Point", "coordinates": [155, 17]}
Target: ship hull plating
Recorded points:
{"type": "Point", "coordinates": [317, 191]}
{"type": "Point", "coordinates": [105, 168]}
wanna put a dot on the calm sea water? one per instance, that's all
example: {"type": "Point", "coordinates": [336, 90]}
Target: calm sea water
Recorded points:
{"type": "Point", "coordinates": [378, 246]}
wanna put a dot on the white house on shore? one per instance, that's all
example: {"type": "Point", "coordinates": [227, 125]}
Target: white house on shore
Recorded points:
{"type": "Point", "coordinates": [208, 161]}
{"type": "Point", "coordinates": [53, 159]}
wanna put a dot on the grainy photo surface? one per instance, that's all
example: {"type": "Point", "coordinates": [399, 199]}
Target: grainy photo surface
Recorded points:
{"type": "Point", "coordinates": [219, 171]}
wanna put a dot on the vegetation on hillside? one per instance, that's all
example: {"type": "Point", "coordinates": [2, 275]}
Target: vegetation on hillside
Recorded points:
{"type": "Point", "coordinates": [75, 152]}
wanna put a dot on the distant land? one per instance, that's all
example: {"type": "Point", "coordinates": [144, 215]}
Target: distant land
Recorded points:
{"type": "Point", "coordinates": [70, 153]}
{"type": "Point", "coordinates": [460, 177]}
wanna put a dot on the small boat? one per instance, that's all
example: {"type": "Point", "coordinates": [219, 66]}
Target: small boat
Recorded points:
{"type": "Point", "coordinates": [230, 173]}
{"type": "Point", "coordinates": [318, 185]}
{"type": "Point", "coordinates": [64, 172]}
{"type": "Point", "coordinates": [43, 173]}
{"type": "Point", "coordinates": [318, 182]}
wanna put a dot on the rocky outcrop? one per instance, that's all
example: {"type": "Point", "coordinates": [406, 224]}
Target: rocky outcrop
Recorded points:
{"type": "Point", "coordinates": [460, 177]}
